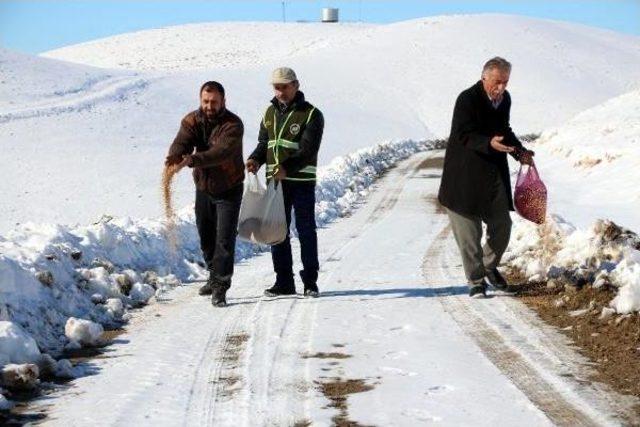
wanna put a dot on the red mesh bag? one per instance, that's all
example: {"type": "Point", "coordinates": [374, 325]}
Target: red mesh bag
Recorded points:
{"type": "Point", "coordinates": [530, 195]}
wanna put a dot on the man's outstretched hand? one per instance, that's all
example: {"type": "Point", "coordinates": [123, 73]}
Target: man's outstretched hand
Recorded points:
{"type": "Point", "coordinates": [522, 154]}
{"type": "Point", "coordinates": [178, 160]}
{"type": "Point", "coordinates": [496, 144]}
{"type": "Point", "coordinates": [174, 159]}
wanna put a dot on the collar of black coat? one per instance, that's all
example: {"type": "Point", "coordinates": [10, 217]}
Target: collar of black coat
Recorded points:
{"type": "Point", "coordinates": [298, 101]}
{"type": "Point", "coordinates": [480, 92]}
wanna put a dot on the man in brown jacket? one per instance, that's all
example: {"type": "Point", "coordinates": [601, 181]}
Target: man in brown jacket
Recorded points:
{"type": "Point", "coordinates": [218, 171]}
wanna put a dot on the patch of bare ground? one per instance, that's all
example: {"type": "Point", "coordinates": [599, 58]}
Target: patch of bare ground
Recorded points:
{"type": "Point", "coordinates": [431, 163]}
{"type": "Point", "coordinates": [323, 355]}
{"type": "Point", "coordinates": [234, 345]}
{"type": "Point", "coordinates": [610, 341]}
{"type": "Point", "coordinates": [111, 334]}
{"type": "Point", "coordinates": [432, 199]}
{"type": "Point", "coordinates": [228, 380]}
{"type": "Point", "coordinates": [337, 390]}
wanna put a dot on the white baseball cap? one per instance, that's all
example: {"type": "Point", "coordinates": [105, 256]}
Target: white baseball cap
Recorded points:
{"type": "Point", "coordinates": [283, 75]}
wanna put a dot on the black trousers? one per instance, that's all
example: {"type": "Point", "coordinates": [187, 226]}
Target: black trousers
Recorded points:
{"type": "Point", "coordinates": [217, 222]}
{"type": "Point", "coordinates": [301, 196]}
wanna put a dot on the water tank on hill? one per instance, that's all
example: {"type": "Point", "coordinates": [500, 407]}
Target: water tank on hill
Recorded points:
{"type": "Point", "coordinates": [329, 14]}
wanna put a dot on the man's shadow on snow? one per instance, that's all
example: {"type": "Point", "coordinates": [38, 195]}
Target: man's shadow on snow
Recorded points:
{"type": "Point", "coordinates": [419, 292]}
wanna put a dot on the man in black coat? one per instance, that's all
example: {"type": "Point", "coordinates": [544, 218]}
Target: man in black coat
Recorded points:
{"type": "Point", "coordinates": [475, 185]}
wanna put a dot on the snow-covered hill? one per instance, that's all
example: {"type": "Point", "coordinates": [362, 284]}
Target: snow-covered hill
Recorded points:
{"type": "Point", "coordinates": [559, 68]}
{"type": "Point", "coordinates": [97, 147]}
{"type": "Point", "coordinates": [210, 45]}
{"type": "Point", "coordinates": [29, 82]}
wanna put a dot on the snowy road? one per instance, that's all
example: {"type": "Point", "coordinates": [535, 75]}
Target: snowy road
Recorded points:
{"type": "Point", "coordinates": [394, 314]}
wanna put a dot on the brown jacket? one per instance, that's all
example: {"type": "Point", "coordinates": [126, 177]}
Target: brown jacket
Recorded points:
{"type": "Point", "coordinates": [217, 163]}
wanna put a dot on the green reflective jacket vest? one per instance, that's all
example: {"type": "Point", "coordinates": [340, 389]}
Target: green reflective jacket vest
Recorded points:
{"type": "Point", "coordinates": [284, 139]}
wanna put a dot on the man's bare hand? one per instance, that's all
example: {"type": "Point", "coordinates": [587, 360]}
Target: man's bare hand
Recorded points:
{"type": "Point", "coordinates": [496, 144]}
{"type": "Point", "coordinates": [174, 159]}
{"type": "Point", "coordinates": [186, 161]}
{"type": "Point", "coordinates": [252, 166]}
{"type": "Point", "coordinates": [280, 174]}
{"type": "Point", "coordinates": [526, 157]}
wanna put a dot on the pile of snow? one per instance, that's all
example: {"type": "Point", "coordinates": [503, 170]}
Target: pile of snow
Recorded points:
{"type": "Point", "coordinates": [50, 273]}
{"type": "Point", "coordinates": [16, 346]}
{"type": "Point", "coordinates": [591, 168]}
{"type": "Point", "coordinates": [591, 164]}
{"type": "Point", "coordinates": [83, 332]}
{"type": "Point", "coordinates": [64, 284]}
{"type": "Point", "coordinates": [604, 254]}
{"type": "Point", "coordinates": [22, 363]}
{"type": "Point", "coordinates": [20, 377]}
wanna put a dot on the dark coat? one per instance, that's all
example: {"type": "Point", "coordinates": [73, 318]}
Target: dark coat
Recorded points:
{"type": "Point", "coordinates": [217, 162]}
{"type": "Point", "coordinates": [471, 166]}
{"type": "Point", "coordinates": [309, 142]}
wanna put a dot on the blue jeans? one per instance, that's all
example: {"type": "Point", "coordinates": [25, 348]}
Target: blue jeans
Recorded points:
{"type": "Point", "coordinates": [301, 196]}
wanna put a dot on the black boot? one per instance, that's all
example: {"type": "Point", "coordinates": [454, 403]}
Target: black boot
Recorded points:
{"type": "Point", "coordinates": [219, 295]}
{"type": "Point", "coordinates": [311, 290]}
{"type": "Point", "coordinates": [478, 290]}
{"type": "Point", "coordinates": [207, 288]}
{"type": "Point", "coordinates": [310, 283]}
{"type": "Point", "coordinates": [496, 280]}
{"type": "Point", "coordinates": [278, 290]}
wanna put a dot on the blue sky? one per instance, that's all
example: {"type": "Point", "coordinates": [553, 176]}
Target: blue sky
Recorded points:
{"type": "Point", "coordinates": [37, 26]}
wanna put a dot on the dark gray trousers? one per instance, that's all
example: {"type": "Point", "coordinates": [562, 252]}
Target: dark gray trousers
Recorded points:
{"type": "Point", "coordinates": [467, 230]}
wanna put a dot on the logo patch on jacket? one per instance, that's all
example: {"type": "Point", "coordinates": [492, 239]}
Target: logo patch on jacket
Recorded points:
{"type": "Point", "coordinates": [294, 129]}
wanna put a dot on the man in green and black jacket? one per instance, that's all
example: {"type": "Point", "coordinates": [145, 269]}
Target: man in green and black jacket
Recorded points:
{"type": "Point", "coordinates": [288, 142]}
